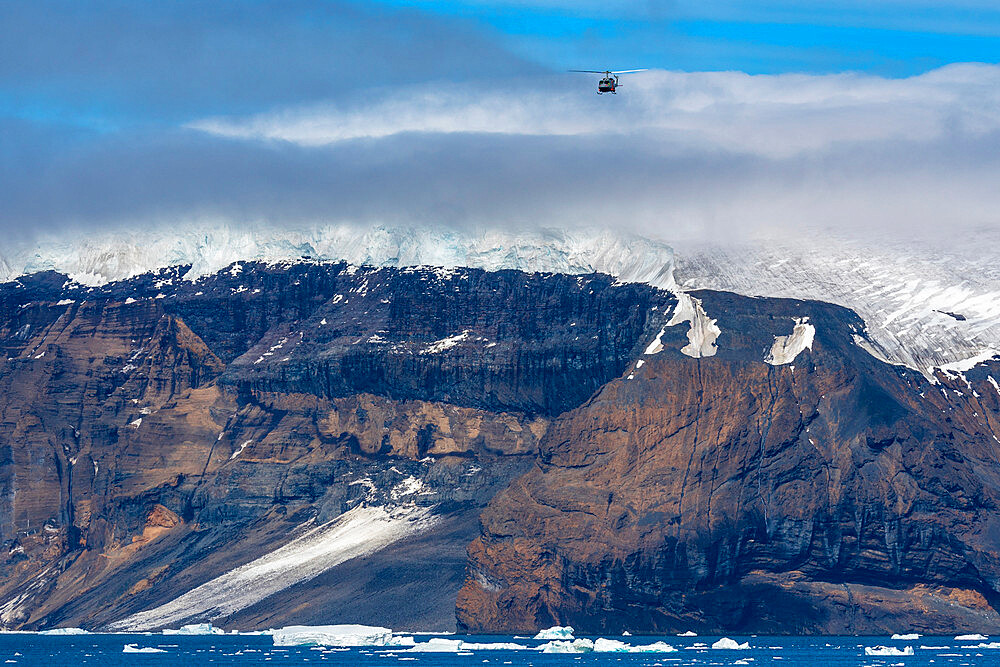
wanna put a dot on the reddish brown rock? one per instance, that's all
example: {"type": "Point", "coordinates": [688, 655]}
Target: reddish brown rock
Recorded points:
{"type": "Point", "coordinates": [723, 494]}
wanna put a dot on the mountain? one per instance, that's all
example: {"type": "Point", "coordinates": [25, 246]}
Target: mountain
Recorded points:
{"type": "Point", "coordinates": [314, 441]}
{"type": "Point", "coordinates": [928, 301]}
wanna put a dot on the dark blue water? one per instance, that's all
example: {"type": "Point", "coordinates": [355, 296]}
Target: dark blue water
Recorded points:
{"type": "Point", "coordinates": [54, 651]}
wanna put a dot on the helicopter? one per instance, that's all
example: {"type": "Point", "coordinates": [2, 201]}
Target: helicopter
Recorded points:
{"type": "Point", "coordinates": [609, 83]}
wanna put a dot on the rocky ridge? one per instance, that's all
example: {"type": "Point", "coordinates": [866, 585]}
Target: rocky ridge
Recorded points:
{"type": "Point", "coordinates": [617, 456]}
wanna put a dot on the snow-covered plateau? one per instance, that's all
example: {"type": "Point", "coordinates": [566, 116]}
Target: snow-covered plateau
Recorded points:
{"type": "Point", "coordinates": [927, 304]}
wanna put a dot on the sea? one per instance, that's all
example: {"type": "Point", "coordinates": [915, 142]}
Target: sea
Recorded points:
{"type": "Point", "coordinates": [157, 649]}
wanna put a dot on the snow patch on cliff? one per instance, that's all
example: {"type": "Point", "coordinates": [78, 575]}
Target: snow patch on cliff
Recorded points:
{"type": "Point", "coordinates": [786, 348]}
{"type": "Point", "coordinates": [358, 532]}
{"type": "Point", "coordinates": [703, 331]}
{"type": "Point", "coordinates": [963, 365]}
{"type": "Point", "coordinates": [926, 302]}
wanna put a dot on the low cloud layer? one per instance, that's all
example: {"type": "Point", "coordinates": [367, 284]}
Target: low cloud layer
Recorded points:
{"type": "Point", "coordinates": [673, 155]}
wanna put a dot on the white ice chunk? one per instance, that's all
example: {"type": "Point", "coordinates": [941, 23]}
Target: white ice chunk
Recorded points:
{"type": "Point", "coordinates": [727, 643]}
{"type": "Point", "coordinates": [574, 646]}
{"type": "Point", "coordinates": [786, 348]}
{"type": "Point", "coordinates": [602, 645]}
{"type": "Point", "coordinates": [65, 631]}
{"type": "Point", "coordinates": [907, 637]}
{"type": "Point", "coordinates": [888, 650]}
{"type": "Point", "coordinates": [655, 647]}
{"type": "Point", "coordinates": [971, 638]}
{"type": "Point", "coordinates": [556, 632]}
{"type": "Point", "coordinates": [133, 648]}
{"type": "Point", "coordinates": [438, 645]}
{"type": "Point", "coordinates": [689, 633]}
{"type": "Point", "coordinates": [331, 635]}
{"type": "Point", "coordinates": [496, 646]}
{"type": "Point", "coordinates": [195, 629]}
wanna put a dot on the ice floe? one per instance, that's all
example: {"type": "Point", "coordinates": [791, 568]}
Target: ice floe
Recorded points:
{"type": "Point", "coordinates": [332, 635]}
{"type": "Point", "coordinates": [494, 646]}
{"type": "Point", "coordinates": [971, 638]}
{"type": "Point", "coordinates": [888, 650]}
{"type": "Point", "coordinates": [907, 637]}
{"type": "Point", "coordinates": [65, 631]}
{"type": "Point", "coordinates": [438, 645]}
{"type": "Point", "coordinates": [602, 645]}
{"type": "Point", "coordinates": [568, 646]}
{"type": "Point", "coordinates": [195, 629]}
{"type": "Point", "coordinates": [732, 644]}
{"type": "Point", "coordinates": [134, 648]}
{"type": "Point", "coordinates": [556, 632]}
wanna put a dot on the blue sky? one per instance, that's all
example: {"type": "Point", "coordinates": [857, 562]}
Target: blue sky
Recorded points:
{"type": "Point", "coordinates": [890, 38]}
{"type": "Point", "coordinates": [117, 112]}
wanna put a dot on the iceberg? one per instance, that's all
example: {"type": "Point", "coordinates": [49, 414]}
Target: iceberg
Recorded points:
{"type": "Point", "coordinates": [133, 648]}
{"type": "Point", "coordinates": [908, 637]}
{"type": "Point", "coordinates": [65, 631]}
{"type": "Point", "coordinates": [556, 632]}
{"type": "Point", "coordinates": [195, 629]}
{"type": "Point", "coordinates": [401, 641]}
{"type": "Point", "coordinates": [438, 645]}
{"type": "Point", "coordinates": [993, 645]}
{"type": "Point", "coordinates": [603, 645]}
{"type": "Point", "coordinates": [655, 647]}
{"type": "Point", "coordinates": [888, 650]}
{"type": "Point", "coordinates": [333, 635]}
{"type": "Point", "coordinates": [688, 634]}
{"type": "Point", "coordinates": [971, 638]}
{"type": "Point", "coordinates": [497, 646]}
{"type": "Point", "coordinates": [727, 643]}
{"type": "Point", "coordinates": [562, 646]}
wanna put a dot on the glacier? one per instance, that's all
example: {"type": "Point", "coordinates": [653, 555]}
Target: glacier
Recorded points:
{"type": "Point", "coordinates": [926, 303]}
{"type": "Point", "coordinates": [95, 259]}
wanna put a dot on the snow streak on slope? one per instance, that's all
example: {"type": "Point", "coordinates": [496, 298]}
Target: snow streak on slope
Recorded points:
{"type": "Point", "coordinates": [926, 304]}
{"type": "Point", "coordinates": [94, 260]}
{"type": "Point", "coordinates": [359, 532]}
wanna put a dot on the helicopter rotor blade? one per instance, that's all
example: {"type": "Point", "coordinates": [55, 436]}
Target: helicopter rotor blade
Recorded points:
{"type": "Point", "coordinates": [629, 71]}
{"type": "Point", "coordinates": [589, 71]}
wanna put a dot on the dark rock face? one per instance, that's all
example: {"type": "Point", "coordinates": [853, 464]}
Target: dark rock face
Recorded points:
{"type": "Point", "coordinates": [834, 494]}
{"type": "Point", "coordinates": [157, 433]}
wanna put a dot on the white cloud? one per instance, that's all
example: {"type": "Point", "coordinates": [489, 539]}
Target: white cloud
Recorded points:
{"type": "Point", "coordinates": [768, 115]}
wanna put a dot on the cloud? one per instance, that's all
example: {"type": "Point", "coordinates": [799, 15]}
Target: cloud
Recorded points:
{"type": "Point", "coordinates": [675, 154]}
{"type": "Point", "coordinates": [770, 115]}
{"type": "Point", "coordinates": [169, 60]}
